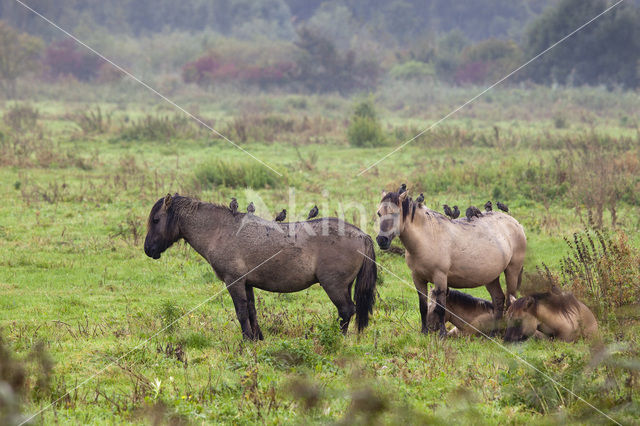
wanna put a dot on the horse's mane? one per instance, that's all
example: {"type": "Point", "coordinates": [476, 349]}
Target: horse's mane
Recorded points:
{"type": "Point", "coordinates": [563, 303]}
{"type": "Point", "coordinates": [408, 205]}
{"type": "Point", "coordinates": [394, 198]}
{"type": "Point", "coordinates": [519, 305]}
{"type": "Point", "coordinates": [467, 301]}
{"type": "Point", "coordinates": [181, 206]}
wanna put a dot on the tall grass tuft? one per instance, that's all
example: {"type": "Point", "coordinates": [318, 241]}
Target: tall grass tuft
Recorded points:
{"type": "Point", "coordinates": [21, 117]}
{"type": "Point", "coordinates": [169, 313]}
{"type": "Point", "coordinates": [163, 128]}
{"type": "Point", "coordinates": [603, 270]}
{"type": "Point", "coordinates": [93, 121]}
{"type": "Point", "coordinates": [236, 174]}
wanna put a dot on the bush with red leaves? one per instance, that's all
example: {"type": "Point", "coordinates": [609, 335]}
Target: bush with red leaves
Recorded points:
{"type": "Point", "coordinates": [64, 58]}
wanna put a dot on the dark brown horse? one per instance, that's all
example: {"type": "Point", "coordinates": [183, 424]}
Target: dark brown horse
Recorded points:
{"type": "Point", "coordinates": [246, 251]}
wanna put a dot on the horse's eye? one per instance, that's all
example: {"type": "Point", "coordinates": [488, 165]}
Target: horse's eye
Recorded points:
{"type": "Point", "coordinates": [156, 220]}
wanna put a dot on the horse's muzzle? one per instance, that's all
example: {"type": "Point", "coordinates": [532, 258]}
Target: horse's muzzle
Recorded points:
{"type": "Point", "coordinates": [383, 242]}
{"type": "Point", "coordinates": [154, 254]}
{"type": "Point", "coordinates": [513, 334]}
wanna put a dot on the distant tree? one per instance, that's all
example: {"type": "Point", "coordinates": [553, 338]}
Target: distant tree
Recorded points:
{"type": "Point", "coordinates": [488, 61]}
{"type": "Point", "coordinates": [18, 56]}
{"type": "Point", "coordinates": [446, 56]}
{"type": "Point", "coordinates": [322, 68]}
{"type": "Point", "coordinates": [605, 52]}
{"type": "Point", "coordinates": [303, 9]}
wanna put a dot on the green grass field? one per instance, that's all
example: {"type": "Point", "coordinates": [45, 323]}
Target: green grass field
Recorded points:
{"type": "Point", "coordinates": [74, 276]}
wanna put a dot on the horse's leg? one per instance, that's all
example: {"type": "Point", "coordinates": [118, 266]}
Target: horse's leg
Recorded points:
{"type": "Point", "coordinates": [440, 283]}
{"type": "Point", "coordinates": [238, 293]}
{"type": "Point", "coordinates": [423, 297]}
{"type": "Point", "coordinates": [340, 296]}
{"type": "Point", "coordinates": [253, 317]}
{"type": "Point", "coordinates": [512, 275]}
{"type": "Point", "coordinates": [497, 298]}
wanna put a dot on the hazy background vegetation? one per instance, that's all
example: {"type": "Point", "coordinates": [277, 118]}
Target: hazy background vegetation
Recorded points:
{"type": "Point", "coordinates": [322, 46]}
{"type": "Point", "coordinates": [319, 90]}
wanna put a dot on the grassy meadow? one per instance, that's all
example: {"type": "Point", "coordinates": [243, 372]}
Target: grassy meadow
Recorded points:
{"type": "Point", "coordinates": [80, 300]}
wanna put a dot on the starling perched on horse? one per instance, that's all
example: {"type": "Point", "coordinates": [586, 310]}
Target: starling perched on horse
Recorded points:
{"type": "Point", "coordinates": [447, 211]}
{"type": "Point", "coordinates": [313, 212]}
{"type": "Point", "coordinates": [281, 216]}
{"type": "Point", "coordinates": [233, 205]}
{"type": "Point", "coordinates": [456, 212]}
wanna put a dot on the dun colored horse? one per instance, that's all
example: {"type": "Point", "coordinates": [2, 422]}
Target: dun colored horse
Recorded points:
{"type": "Point", "coordinates": [553, 314]}
{"type": "Point", "coordinates": [248, 252]}
{"type": "Point", "coordinates": [469, 315]}
{"type": "Point", "coordinates": [453, 253]}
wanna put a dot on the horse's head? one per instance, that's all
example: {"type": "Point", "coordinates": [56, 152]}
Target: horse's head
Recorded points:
{"type": "Point", "coordinates": [162, 227]}
{"type": "Point", "coordinates": [521, 320]}
{"type": "Point", "coordinates": [391, 216]}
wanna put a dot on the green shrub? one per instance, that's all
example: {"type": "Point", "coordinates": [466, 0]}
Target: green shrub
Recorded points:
{"type": "Point", "coordinates": [365, 109]}
{"type": "Point", "coordinates": [411, 70]}
{"type": "Point", "coordinates": [365, 129]}
{"type": "Point", "coordinates": [365, 132]}
{"type": "Point", "coordinates": [237, 174]}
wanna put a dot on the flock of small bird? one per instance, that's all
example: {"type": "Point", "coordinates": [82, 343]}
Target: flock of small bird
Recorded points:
{"type": "Point", "coordinates": [251, 209]}
{"type": "Point", "coordinates": [454, 213]}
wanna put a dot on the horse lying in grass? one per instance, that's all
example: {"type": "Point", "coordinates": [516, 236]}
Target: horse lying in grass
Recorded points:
{"type": "Point", "coordinates": [469, 315]}
{"type": "Point", "coordinates": [554, 314]}
{"type": "Point", "coordinates": [248, 252]}
{"type": "Point", "coordinates": [453, 253]}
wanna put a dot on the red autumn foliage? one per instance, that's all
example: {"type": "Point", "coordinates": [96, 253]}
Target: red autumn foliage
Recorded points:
{"type": "Point", "coordinates": [65, 58]}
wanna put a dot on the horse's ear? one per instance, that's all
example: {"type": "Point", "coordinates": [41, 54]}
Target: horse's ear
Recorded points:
{"type": "Point", "coordinates": [529, 301]}
{"type": "Point", "coordinates": [167, 201]}
{"type": "Point", "coordinates": [384, 193]}
{"type": "Point", "coordinates": [403, 196]}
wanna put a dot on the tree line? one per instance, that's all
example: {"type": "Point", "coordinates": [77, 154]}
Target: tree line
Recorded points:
{"type": "Point", "coordinates": [349, 46]}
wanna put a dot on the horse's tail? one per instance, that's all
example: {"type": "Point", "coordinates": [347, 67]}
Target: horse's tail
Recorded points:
{"type": "Point", "coordinates": [364, 293]}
